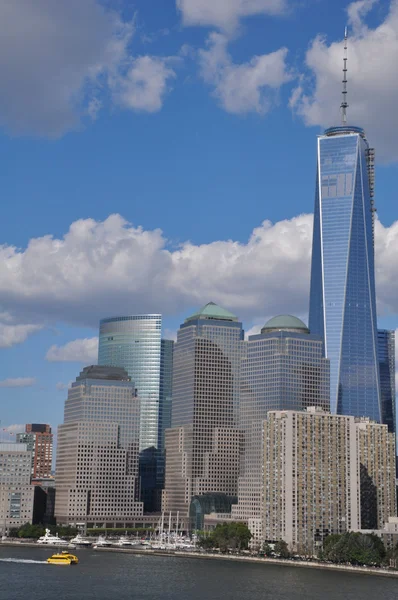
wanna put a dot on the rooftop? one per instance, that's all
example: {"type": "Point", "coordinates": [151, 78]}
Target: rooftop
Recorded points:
{"type": "Point", "coordinates": [285, 323]}
{"type": "Point", "coordinates": [212, 311]}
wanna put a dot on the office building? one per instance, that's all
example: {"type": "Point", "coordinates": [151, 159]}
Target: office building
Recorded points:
{"type": "Point", "coordinates": [165, 405]}
{"type": "Point", "coordinates": [16, 492]}
{"type": "Point", "coordinates": [283, 369]}
{"type": "Point", "coordinates": [98, 450]}
{"type": "Point", "coordinates": [342, 297]}
{"type": "Point", "coordinates": [39, 441]}
{"type": "Point", "coordinates": [376, 451]}
{"type": "Point", "coordinates": [134, 343]}
{"type": "Point", "coordinates": [203, 445]}
{"type": "Point", "coordinates": [386, 348]}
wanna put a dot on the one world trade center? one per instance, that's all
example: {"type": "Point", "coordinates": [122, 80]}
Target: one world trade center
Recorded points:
{"type": "Point", "coordinates": [342, 297]}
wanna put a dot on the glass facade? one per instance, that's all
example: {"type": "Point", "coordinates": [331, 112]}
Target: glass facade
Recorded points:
{"type": "Point", "coordinates": [386, 341]}
{"type": "Point", "coordinates": [134, 343]}
{"type": "Point", "coordinates": [342, 298]}
{"type": "Point", "coordinates": [284, 369]}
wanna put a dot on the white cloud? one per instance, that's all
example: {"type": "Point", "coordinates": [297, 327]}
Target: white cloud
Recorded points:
{"type": "Point", "coordinates": [372, 81]}
{"type": "Point", "coordinates": [144, 85]}
{"type": "Point", "coordinates": [84, 350]}
{"type": "Point", "coordinates": [170, 334]}
{"type": "Point", "coordinates": [61, 387]}
{"type": "Point", "coordinates": [226, 14]}
{"type": "Point", "coordinates": [247, 87]}
{"type": "Point", "coordinates": [61, 61]}
{"type": "Point", "coordinates": [109, 268]}
{"type": "Point", "coordinates": [10, 335]}
{"type": "Point", "coordinates": [18, 382]}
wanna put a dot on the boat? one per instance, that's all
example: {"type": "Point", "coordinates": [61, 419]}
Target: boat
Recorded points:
{"type": "Point", "coordinates": [102, 542]}
{"type": "Point", "coordinates": [52, 540]}
{"type": "Point", "coordinates": [79, 540]}
{"type": "Point", "coordinates": [124, 541]}
{"type": "Point", "coordinates": [63, 558]}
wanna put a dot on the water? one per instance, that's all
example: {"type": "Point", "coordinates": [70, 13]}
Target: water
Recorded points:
{"type": "Point", "coordinates": [110, 576]}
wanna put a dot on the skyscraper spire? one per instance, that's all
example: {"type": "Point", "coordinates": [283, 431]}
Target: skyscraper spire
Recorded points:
{"type": "Point", "coordinates": [344, 104]}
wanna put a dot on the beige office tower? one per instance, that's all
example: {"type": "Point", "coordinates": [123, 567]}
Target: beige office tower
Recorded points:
{"type": "Point", "coordinates": [98, 449]}
{"type": "Point", "coordinates": [203, 446]}
{"type": "Point", "coordinates": [283, 369]}
{"type": "Point", "coordinates": [16, 493]}
{"type": "Point", "coordinates": [311, 477]}
{"type": "Point", "coordinates": [376, 449]}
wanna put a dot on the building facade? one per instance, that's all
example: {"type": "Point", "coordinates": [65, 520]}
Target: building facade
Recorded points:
{"type": "Point", "coordinates": [283, 369]}
{"type": "Point", "coordinates": [39, 441]}
{"type": "Point", "coordinates": [376, 452]}
{"type": "Point", "coordinates": [16, 492]}
{"type": "Point", "coordinates": [165, 404]}
{"type": "Point", "coordinates": [342, 298]}
{"type": "Point", "coordinates": [325, 474]}
{"type": "Point", "coordinates": [134, 343]}
{"type": "Point", "coordinates": [386, 347]}
{"type": "Point", "coordinates": [206, 387]}
{"type": "Point", "coordinates": [98, 450]}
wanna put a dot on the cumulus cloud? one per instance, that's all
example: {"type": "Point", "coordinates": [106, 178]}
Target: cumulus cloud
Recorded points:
{"type": "Point", "coordinates": [110, 268]}
{"type": "Point", "coordinates": [84, 350]}
{"type": "Point", "coordinates": [60, 61]}
{"type": "Point", "coordinates": [247, 87]}
{"type": "Point", "coordinates": [10, 335]}
{"type": "Point", "coordinates": [372, 81]}
{"type": "Point", "coordinates": [18, 382]}
{"type": "Point", "coordinates": [225, 14]}
{"type": "Point", "coordinates": [144, 85]}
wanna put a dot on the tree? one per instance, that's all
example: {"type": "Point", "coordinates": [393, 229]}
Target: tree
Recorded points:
{"type": "Point", "coordinates": [228, 536]}
{"type": "Point", "coordinates": [355, 548]}
{"type": "Point", "coordinates": [281, 549]}
{"type": "Point", "coordinates": [266, 549]}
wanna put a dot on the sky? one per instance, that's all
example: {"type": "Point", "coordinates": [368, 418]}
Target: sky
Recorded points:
{"type": "Point", "coordinates": [160, 154]}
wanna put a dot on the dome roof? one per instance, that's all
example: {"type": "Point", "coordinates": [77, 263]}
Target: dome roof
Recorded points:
{"type": "Point", "coordinates": [285, 322]}
{"type": "Point", "coordinates": [212, 311]}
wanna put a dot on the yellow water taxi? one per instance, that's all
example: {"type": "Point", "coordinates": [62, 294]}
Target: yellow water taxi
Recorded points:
{"type": "Point", "coordinates": [63, 558]}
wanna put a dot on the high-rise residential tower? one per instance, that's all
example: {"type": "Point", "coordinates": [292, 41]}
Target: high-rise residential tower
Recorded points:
{"type": "Point", "coordinates": [97, 451]}
{"type": "Point", "coordinates": [342, 298]}
{"type": "Point", "coordinates": [39, 441]}
{"type": "Point", "coordinates": [203, 444]}
{"type": "Point", "coordinates": [386, 347]}
{"type": "Point", "coordinates": [283, 369]}
{"type": "Point", "coordinates": [134, 343]}
{"type": "Point", "coordinates": [16, 492]}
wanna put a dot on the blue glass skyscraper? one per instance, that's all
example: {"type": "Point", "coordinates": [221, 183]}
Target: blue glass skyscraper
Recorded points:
{"type": "Point", "coordinates": [386, 349]}
{"type": "Point", "coordinates": [134, 343]}
{"type": "Point", "coordinates": [342, 298]}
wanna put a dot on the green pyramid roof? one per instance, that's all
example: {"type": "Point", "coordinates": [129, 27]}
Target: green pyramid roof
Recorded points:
{"type": "Point", "coordinates": [212, 311]}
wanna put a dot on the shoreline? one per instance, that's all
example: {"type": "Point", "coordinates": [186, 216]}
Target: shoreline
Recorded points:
{"type": "Point", "coordinates": [231, 557]}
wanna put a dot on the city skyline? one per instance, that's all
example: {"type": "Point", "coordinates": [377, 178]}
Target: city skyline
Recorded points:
{"type": "Point", "coordinates": [200, 168]}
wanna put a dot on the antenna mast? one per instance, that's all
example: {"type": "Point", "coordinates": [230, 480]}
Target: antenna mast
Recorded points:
{"type": "Point", "coordinates": [344, 104]}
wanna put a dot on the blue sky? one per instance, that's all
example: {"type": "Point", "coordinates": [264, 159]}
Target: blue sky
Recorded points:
{"type": "Point", "coordinates": [195, 121]}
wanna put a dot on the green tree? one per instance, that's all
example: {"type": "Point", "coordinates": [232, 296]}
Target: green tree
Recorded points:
{"type": "Point", "coordinates": [355, 548]}
{"type": "Point", "coordinates": [228, 536]}
{"type": "Point", "coordinates": [266, 549]}
{"type": "Point", "coordinates": [281, 549]}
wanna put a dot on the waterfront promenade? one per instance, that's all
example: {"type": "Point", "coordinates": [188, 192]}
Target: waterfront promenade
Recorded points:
{"type": "Point", "coordinates": [227, 557]}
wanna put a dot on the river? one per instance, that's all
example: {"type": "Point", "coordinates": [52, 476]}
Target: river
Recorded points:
{"type": "Point", "coordinates": [24, 574]}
